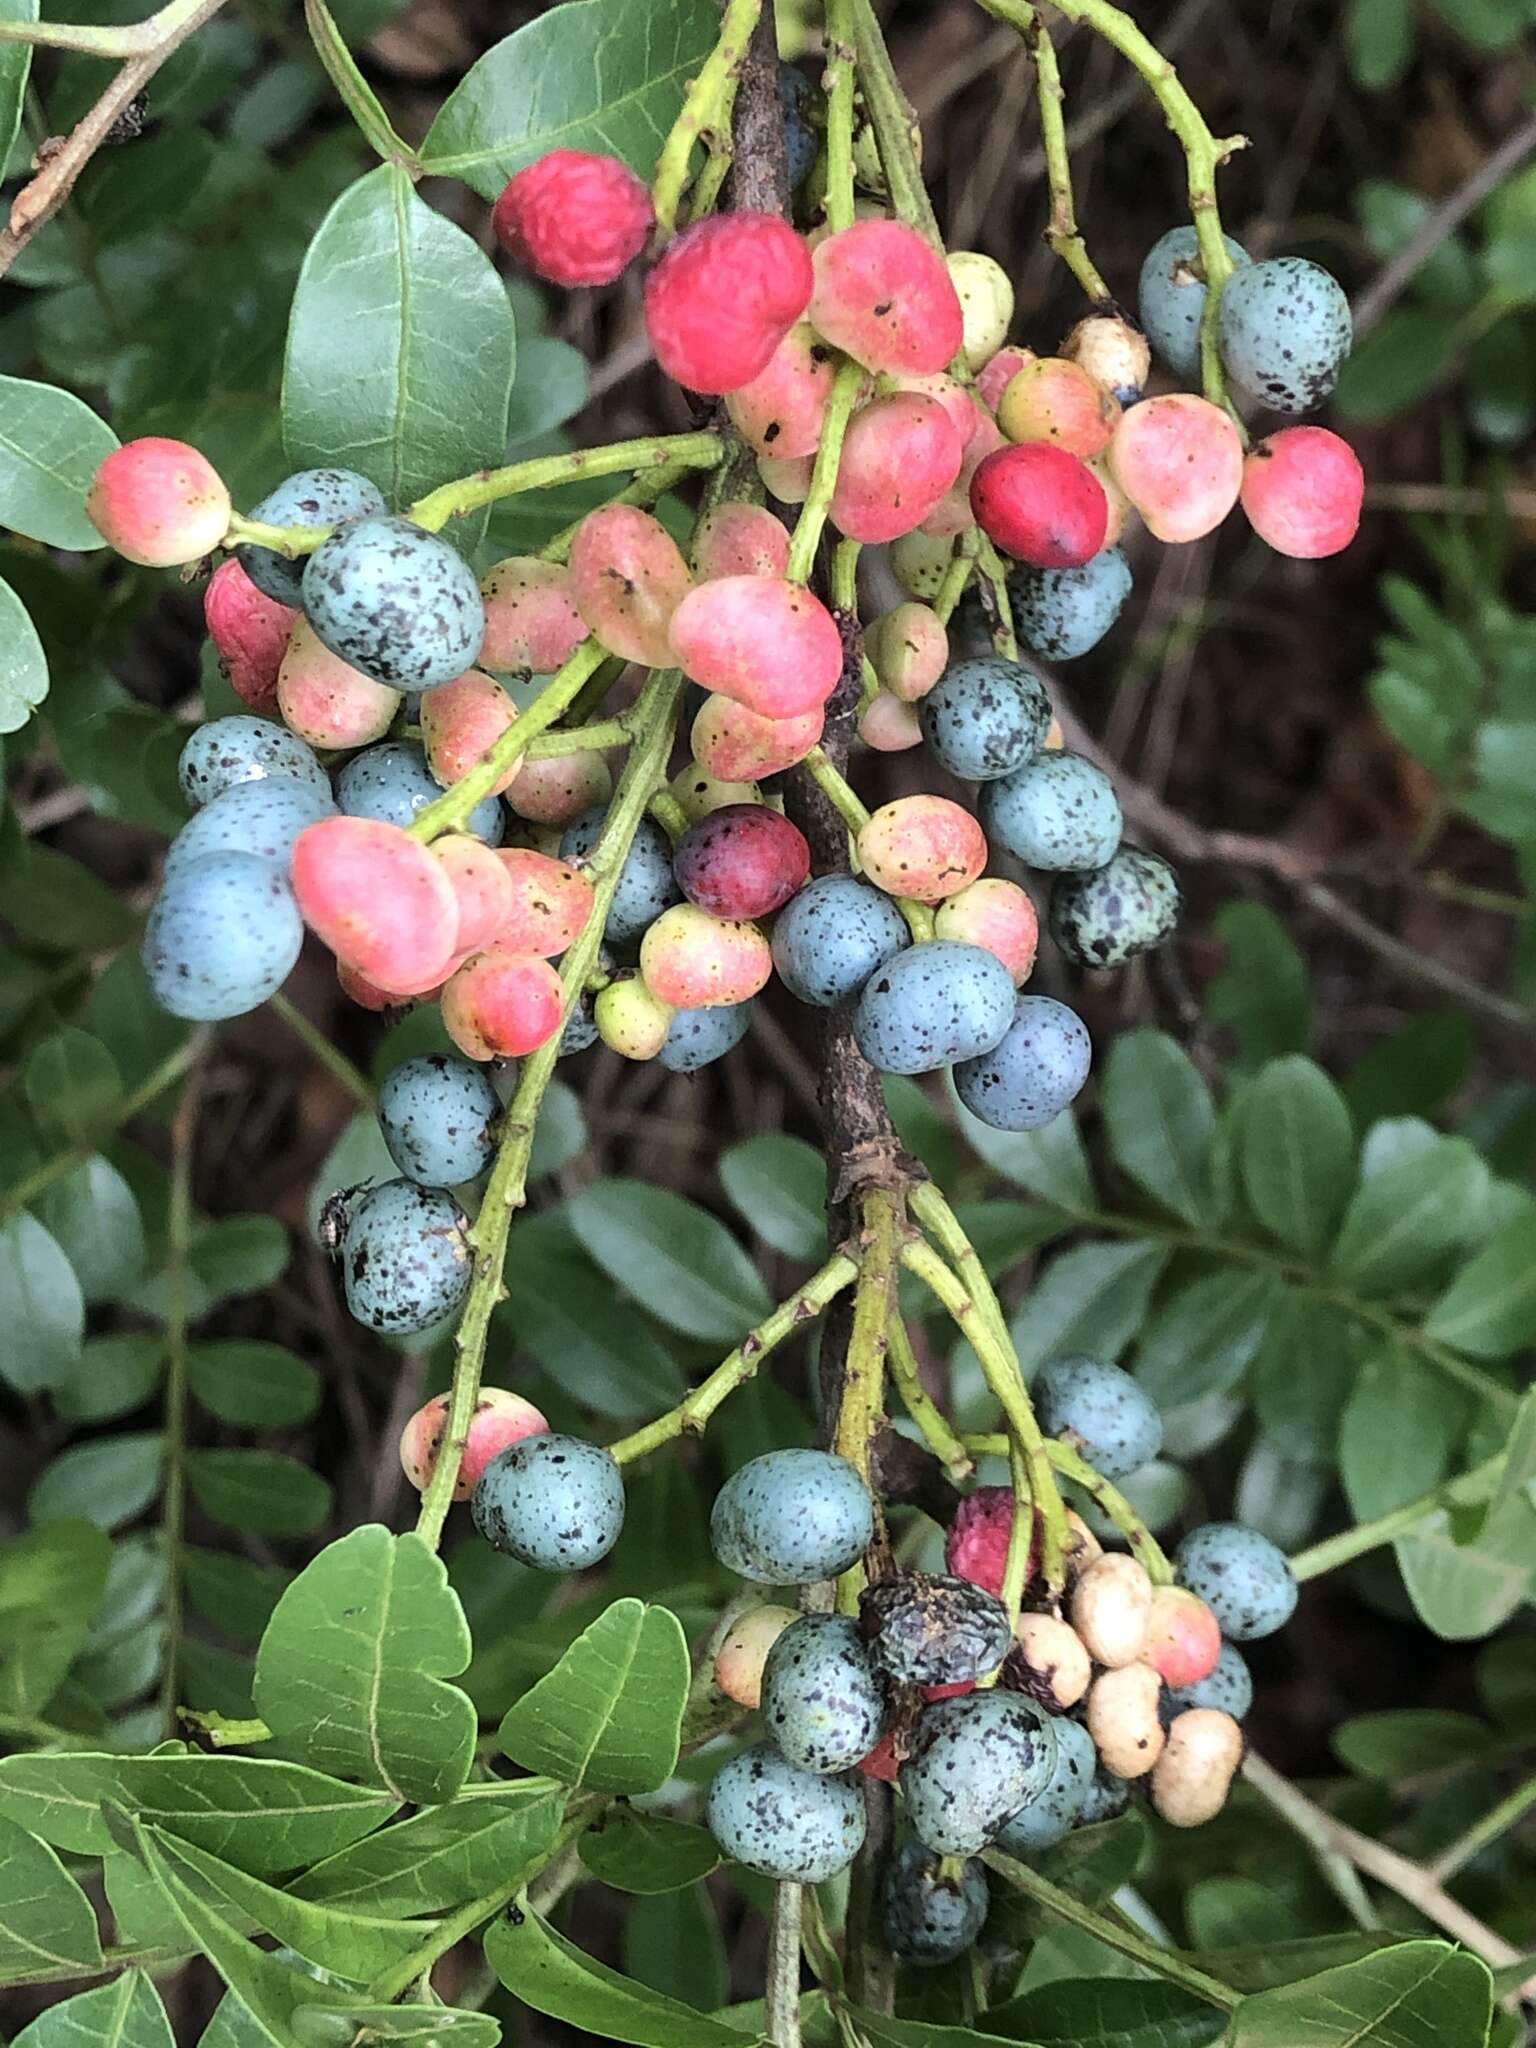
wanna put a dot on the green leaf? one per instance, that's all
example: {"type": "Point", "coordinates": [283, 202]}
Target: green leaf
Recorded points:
{"type": "Point", "coordinates": [1415, 1071]}
{"type": "Point", "coordinates": [1091, 1298]}
{"type": "Point", "coordinates": [595, 74]}
{"type": "Point", "coordinates": [672, 1943]}
{"type": "Point", "coordinates": [646, 1852]}
{"type": "Point", "coordinates": [1296, 1151]}
{"type": "Point", "coordinates": [45, 1918]}
{"type": "Point", "coordinates": [1392, 1746]}
{"type": "Point", "coordinates": [400, 344]}
{"type": "Point", "coordinates": [547, 1972]}
{"type": "Point", "coordinates": [52, 1581]}
{"type": "Point", "coordinates": [126, 2013]}
{"type": "Point", "coordinates": [350, 1671]}
{"type": "Point", "coordinates": [1301, 1378]}
{"type": "Point", "coordinates": [580, 1330]}
{"type": "Point", "coordinates": [15, 65]}
{"type": "Point", "coordinates": [51, 445]}
{"type": "Point", "coordinates": [73, 1088]}
{"type": "Point", "coordinates": [1203, 1339]}
{"type": "Point", "coordinates": [1395, 364]}
{"type": "Point", "coordinates": [610, 1714]}
{"type": "Point", "coordinates": [1378, 40]}
{"type": "Point", "coordinates": [42, 1310]}
{"type": "Point", "coordinates": [1161, 1125]}
{"type": "Point", "coordinates": [106, 1481]}
{"type": "Point", "coordinates": [1399, 1433]}
{"type": "Point", "coordinates": [235, 1593]}
{"type": "Point", "coordinates": [1405, 1997]}
{"type": "Point", "coordinates": [262, 1491]}
{"type": "Point", "coordinates": [1264, 994]}
{"type": "Point", "coordinates": [1108, 2012]}
{"type": "Point", "coordinates": [1408, 1215]}
{"type": "Point", "coordinates": [260, 1813]}
{"type": "Point", "coordinates": [559, 1131]}
{"type": "Point", "coordinates": [678, 1261]}
{"type": "Point", "coordinates": [253, 1385]}
{"type": "Point", "coordinates": [779, 1184]}
{"type": "Point", "coordinates": [1489, 1309]}
{"type": "Point", "coordinates": [93, 1217]}
{"type": "Point", "coordinates": [445, 1854]}
{"type": "Point", "coordinates": [1050, 1162]}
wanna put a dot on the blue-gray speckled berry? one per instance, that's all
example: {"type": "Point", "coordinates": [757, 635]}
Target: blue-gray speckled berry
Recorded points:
{"type": "Point", "coordinates": [647, 885]}
{"type": "Point", "coordinates": [1106, 917]}
{"type": "Point", "coordinates": [1033, 1073]}
{"type": "Point", "coordinates": [392, 782]}
{"type": "Point", "coordinates": [800, 144]}
{"type": "Point", "coordinates": [927, 1628]}
{"type": "Point", "coordinates": [789, 1518]}
{"type": "Point", "coordinates": [1059, 813]}
{"type": "Point", "coordinates": [782, 1822]}
{"type": "Point", "coordinates": [986, 717]}
{"type": "Point", "coordinates": [1105, 1797]}
{"type": "Point", "coordinates": [1285, 331]}
{"type": "Point", "coordinates": [1171, 298]}
{"type": "Point", "coordinates": [1062, 613]}
{"type": "Point", "coordinates": [580, 1027]}
{"type": "Point", "coordinates": [262, 817]}
{"type": "Point", "coordinates": [551, 1501]}
{"type": "Point", "coordinates": [828, 940]}
{"type": "Point", "coordinates": [222, 936]}
{"type": "Point", "coordinates": [1228, 1686]}
{"type": "Point", "coordinates": [311, 497]}
{"type": "Point", "coordinates": [975, 1761]}
{"type": "Point", "coordinates": [932, 1005]}
{"type": "Point", "coordinates": [929, 1917]}
{"type": "Point", "coordinates": [228, 751]}
{"type": "Point", "coordinates": [396, 602]}
{"type": "Point", "coordinates": [405, 1258]}
{"type": "Point", "coordinates": [439, 1119]}
{"type": "Point", "coordinates": [1109, 1416]}
{"type": "Point", "coordinates": [1055, 1810]}
{"type": "Point", "coordinates": [1244, 1579]}
{"type": "Point", "coordinates": [821, 1701]}
{"type": "Point", "coordinates": [697, 1038]}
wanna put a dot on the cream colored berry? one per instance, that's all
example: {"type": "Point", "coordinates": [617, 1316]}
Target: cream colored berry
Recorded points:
{"type": "Point", "coordinates": [1194, 1774]}
{"type": "Point", "coordinates": [1054, 1652]}
{"type": "Point", "coordinates": [1123, 1720]}
{"type": "Point", "coordinates": [1111, 1605]}
{"type": "Point", "coordinates": [744, 1651]}
{"type": "Point", "coordinates": [985, 291]}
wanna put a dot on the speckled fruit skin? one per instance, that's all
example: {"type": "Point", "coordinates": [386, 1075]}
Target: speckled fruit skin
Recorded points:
{"type": "Point", "coordinates": [948, 391]}
{"type": "Point", "coordinates": [1104, 918]}
{"type": "Point", "coordinates": [1302, 491]}
{"type": "Point", "coordinates": [932, 1005]}
{"type": "Point", "coordinates": [1033, 1073]}
{"type": "Point", "coordinates": [699, 793]}
{"type": "Point", "coordinates": [1121, 510]}
{"type": "Point", "coordinates": [1179, 459]}
{"type": "Point", "coordinates": [580, 1031]}
{"type": "Point", "coordinates": [697, 1038]}
{"type": "Point", "coordinates": [1100, 1408]}
{"type": "Point", "coordinates": [1227, 1686]}
{"type": "Point", "coordinates": [646, 883]}
{"type": "Point", "coordinates": [1113, 352]}
{"type": "Point", "coordinates": [238, 749]}
{"type": "Point", "coordinates": [832, 938]}
{"type": "Point", "coordinates": [976, 1543]}
{"type": "Point", "coordinates": [1065, 613]}
{"type": "Point", "coordinates": [310, 497]}
{"type": "Point", "coordinates": [326, 701]}
{"type": "Point", "coordinates": [931, 1918]}
{"type": "Point", "coordinates": [250, 631]}
{"type": "Point", "coordinates": [1059, 813]}
{"type": "Point", "coordinates": [985, 292]}
{"type": "Point", "coordinates": [405, 1259]}
{"type": "Point", "coordinates": [628, 577]}
{"type": "Point", "coordinates": [919, 561]}
{"type": "Point", "coordinates": [1040, 505]}
{"type": "Point", "coordinates": [396, 602]}
{"type": "Point", "coordinates": [223, 935]}
{"type": "Point", "coordinates": [723, 297]}
{"type": "Point", "coordinates": [500, 1419]}
{"type": "Point", "coordinates": [800, 145]}
{"type": "Point", "coordinates": [1111, 1605]}
{"type": "Point", "coordinates": [741, 862]}
{"type": "Point", "coordinates": [574, 217]}
{"type": "Point", "coordinates": [740, 540]}
{"type": "Point", "coordinates": [791, 1517]}
{"type": "Point", "coordinates": [780, 411]}
{"type": "Point", "coordinates": [769, 643]}
{"type": "Point", "coordinates": [1171, 298]}
{"type": "Point", "coordinates": [739, 745]}
{"type": "Point", "coordinates": [552, 1502]}
{"type": "Point", "coordinates": [630, 1020]}
{"type": "Point", "coordinates": [900, 455]}
{"type": "Point", "coordinates": [927, 847]}
{"type": "Point", "coordinates": [1183, 1637]}
{"type": "Point", "coordinates": [1053, 1813]}
{"type": "Point", "coordinates": [531, 620]}
{"type": "Point", "coordinates": [158, 502]}
{"type": "Point", "coordinates": [502, 1004]}
{"type": "Point", "coordinates": [439, 1118]}
{"type": "Point", "coordinates": [1284, 330]}
{"type": "Point", "coordinates": [1241, 1576]}
{"type": "Point", "coordinates": [551, 902]}
{"type": "Point", "coordinates": [932, 1630]}
{"type": "Point", "coordinates": [393, 785]}
{"type": "Point", "coordinates": [821, 1700]}
{"type": "Point", "coordinates": [555, 791]}
{"type": "Point", "coordinates": [784, 1823]}
{"type": "Point", "coordinates": [743, 1652]}
{"type": "Point", "coordinates": [263, 817]}
{"type": "Point", "coordinates": [482, 889]}
{"type": "Point", "coordinates": [888, 725]}
{"type": "Point", "coordinates": [1194, 1774]}
{"type": "Point", "coordinates": [462, 720]}
{"type": "Point", "coordinates": [986, 717]}
{"type": "Point", "coordinates": [377, 899]}
{"type": "Point", "coordinates": [883, 296]}
{"type": "Point", "coordinates": [693, 961]}
{"type": "Point", "coordinates": [997, 915]}
{"type": "Point", "coordinates": [975, 1761]}
{"type": "Point", "coordinates": [1057, 401]}
{"type": "Point", "coordinates": [909, 647]}
{"type": "Point", "coordinates": [1105, 1797]}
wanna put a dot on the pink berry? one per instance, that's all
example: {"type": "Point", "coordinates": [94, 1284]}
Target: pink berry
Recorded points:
{"type": "Point", "coordinates": [481, 888]}
{"type": "Point", "coordinates": [1179, 459]}
{"type": "Point", "coordinates": [630, 1020]}
{"type": "Point", "coordinates": [1183, 1637]}
{"type": "Point", "coordinates": [1054, 400]}
{"type": "Point", "coordinates": [999, 371]}
{"type": "Point", "coordinates": [553, 792]}
{"type": "Point", "coordinates": [628, 577]}
{"type": "Point", "coordinates": [740, 540]}
{"type": "Point", "coordinates": [723, 297]}
{"type": "Point", "coordinates": [549, 902]}
{"type": "Point", "coordinates": [947, 391]}
{"type": "Point", "coordinates": [377, 898]}
{"type": "Point", "coordinates": [697, 962]}
{"type": "Point", "coordinates": [742, 861]}
{"type": "Point", "coordinates": [889, 724]}
{"type": "Point", "coordinates": [883, 296]}
{"type": "Point", "coordinates": [159, 503]}
{"type": "Point", "coordinates": [574, 217]}
{"type": "Point", "coordinates": [738, 745]}
{"type": "Point", "coordinates": [953, 512]}
{"type": "Point", "coordinates": [461, 721]}
{"type": "Point", "coordinates": [499, 1419]}
{"type": "Point", "coordinates": [927, 847]}
{"type": "Point", "coordinates": [501, 1004]}
{"type": "Point", "coordinates": [366, 994]}
{"type": "Point", "coordinates": [976, 1546]}
{"type": "Point", "coordinates": [1121, 510]}
{"type": "Point", "coordinates": [909, 647]}
{"type": "Point", "coordinates": [531, 620]}
{"type": "Point", "coordinates": [787, 479]}
{"type": "Point", "coordinates": [900, 456]}
{"type": "Point", "coordinates": [1302, 491]}
{"type": "Point", "coordinates": [250, 631]}
{"type": "Point", "coordinates": [325, 700]}
{"type": "Point", "coordinates": [779, 413]}
{"type": "Point", "coordinates": [769, 643]}
{"type": "Point", "coordinates": [1040, 505]}
{"type": "Point", "coordinates": [995, 914]}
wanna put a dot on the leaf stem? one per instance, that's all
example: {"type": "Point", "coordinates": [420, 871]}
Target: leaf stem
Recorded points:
{"type": "Point", "coordinates": [932, 1423]}
{"type": "Point", "coordinates": [133, 39]}
{"type": "Point", "coordinates": [707, 104]}
{"type": "Point", "coordinates": [353, 90]}
{"type": "Point", "coordinates": [173, 1510]}
{"type": "Point", "coordinates": [1513, 1807]}
{"type": "Point", "coordinates": [331, 1057]}
{"type": "Point", "coordinates": [1467, 1489]}
{"type": "Point", "coordinates": [838, 83]}
{"type": "Point", "coordinates": [829, 454]}
{"type": "Point", "coordinates": [897, 134]}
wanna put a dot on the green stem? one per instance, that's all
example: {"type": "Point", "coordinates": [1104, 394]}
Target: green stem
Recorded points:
{"type": "Point", "coordinates": [669, 814]}
{"type": "Point", "coordinates": [932, 1423]}
{"type": "Point", "coordinates": [1467, 1489]}
{"type": "Point", "coordinates": [581, 739]}
{"type": "Point", "coordinates": [1483, 1833]}
{"type": "Point", "coordinates": [645, 491]}
{"type": "Point", "coordinates": [962, 567]}
{"type": "Point", "coordinates": [706, 104]}
{"type": "Point", "coordinates": [836, 788]}
{"type": "Point", "coordinates": [829, 454]}
{"type": "Point", "coordinates": [839, 91]}
{"type": "Point", "coordinates": [331, 1057]}
{"type": "Point", "coordinates": [1062, 234]}
{"type": "Point", "coordinates": [995, 574]}
{"type": "Point", "coordinates": [896, 129]}
{"type": "Point", "coordinates": [1105, 1495]}
{"type": "Point", "coordinates": [353, 90]}
{"type": "Point", "coordinates": [134, 39]}
{"type": "Point", "coordinates": [861, 1394]}
{"type": "Point", "coordinates": [173, 1512]}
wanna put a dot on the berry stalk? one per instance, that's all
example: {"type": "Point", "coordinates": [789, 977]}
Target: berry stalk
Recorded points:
{"type": "Point", "coordinates": [932, 1423]}
{"type": "Point", "coordinates": [707, 105]}
{"type": "Point", "coordinates": [861, 1388]}
{"type": "Point", "coordinates": [1062, 233]}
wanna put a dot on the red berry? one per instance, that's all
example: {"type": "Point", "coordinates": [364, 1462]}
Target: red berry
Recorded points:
{"type": "Point", "coordinates": [900, 456]}
{"type": "Point", "coordinates": [737, 745]}
{"type": "Point", "coordinates": [694, 961]}
{"type": "Point", "coordinates": [159, 503]}
{"type": "Point", "coordinates": [769, 643]}
{"type": "Point", "coordinates": [910, 649]}
{"type": "Point", "coordinates": [531, 620]}
{"type": "Point", "coordinates": [779, 413]}
{"type": "Point", "coordinates": [461, 721]}
{"type": "Point", "coordinates": [574, 217]}
{"type": "Point", "coordinates": [501, 1004]}
{"type": "Point", "coordinates": [325, 700]}
{"type": "Point", "coordinates": [1179, 459]}
{"type": "Point", "coordinates": [499, 1419]}
{"type": "Point", "coordinates": [1040, 505]}
{"type": "Point", "coordinates": [889, 724]}
{"type": "Point", "coordinates": [953, 512]}
{"type": "Point", "coordinates": [723, 297]}
{"type": "Point", "coordinates": [740, 540]}
{"type": "Point", "coordinates": [250, 631]}
{"type": "Point", "coordinates": [1302, 491]}
{"type": "Point", "coordinates": [884, 297]}
{"type": "Point", "coordinates": [628, 576]}
{"type": "Point", "coordinates": [378, 899]}
{"type": "Point", "coordinates": [976, 1547]}
{"type": "Point", "coordinates": [742, 861]}
{"type": "Point", "coordinates": [1183, 1637]}
{"type": "Point", "coordinates": [995, 914]}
